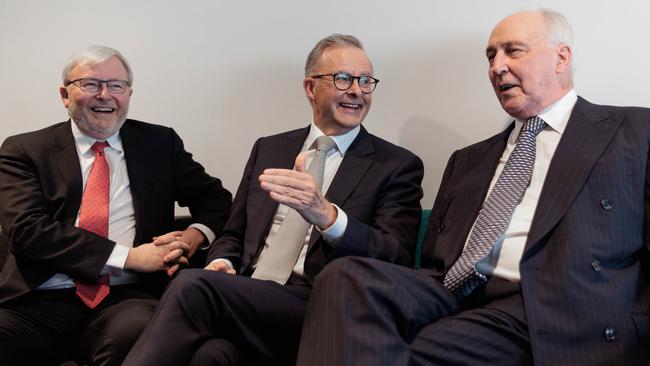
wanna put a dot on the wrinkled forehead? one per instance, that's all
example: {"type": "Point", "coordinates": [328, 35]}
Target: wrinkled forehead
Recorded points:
{"type": "Point", "coordinates": [522, 28]}
{"type": "Point", "coordinates": [111, 67]}
{"type": "Point", "coordinates": [348, 59]}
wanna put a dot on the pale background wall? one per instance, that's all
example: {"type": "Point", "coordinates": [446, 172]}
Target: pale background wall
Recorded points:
{"type": "Point", "coordinates": [223, 73]}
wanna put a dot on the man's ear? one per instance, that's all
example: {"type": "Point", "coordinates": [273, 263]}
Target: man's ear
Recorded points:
{"type": "Point", "coordinates": [63, 91]}
{"type": "Point", "coordinates": [565, 54]}
{"type": "Point", "coordinates": [308, 84]}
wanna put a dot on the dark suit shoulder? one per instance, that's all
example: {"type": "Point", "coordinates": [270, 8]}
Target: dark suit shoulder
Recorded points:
{"type": "Point", "coordinates": [389, 150]}
{"type": "Point", "coordinates": [299, 133]}
{"type": "Point", "coordinates": [482, 146]}
{"type": "Point", "coordinates": [43, 134]}
{"type": "Point", "coordinates": [144, 128]}
{"type": "Point", "coordinates": [594, 111]}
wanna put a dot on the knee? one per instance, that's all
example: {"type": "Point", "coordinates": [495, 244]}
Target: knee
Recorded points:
{"type": "Point", "coordinates": [109, 345]}
{"type": "Point", "coordinates": [344, 270]}
{"type": "Point", "coordinates": [215, 351]}
{"type": "Point", "coordinates": [189, 280]}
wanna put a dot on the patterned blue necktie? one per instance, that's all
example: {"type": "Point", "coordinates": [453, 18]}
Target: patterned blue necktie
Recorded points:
{"type": "Point", "coordinates": [493, 219]}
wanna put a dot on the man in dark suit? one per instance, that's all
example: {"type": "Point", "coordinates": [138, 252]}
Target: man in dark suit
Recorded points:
{"type": "Point", "coordinates": [234, 311]}
{"type": "Point", "coordinates": [564, 280]}
{"type": "Point", "coordinates": [81, 275]}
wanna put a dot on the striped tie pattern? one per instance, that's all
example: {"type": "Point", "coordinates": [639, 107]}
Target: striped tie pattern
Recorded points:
{"type": "Point", "coordinates": [494, 217]}
{"type": "Point", "coordinates": [93, 216]}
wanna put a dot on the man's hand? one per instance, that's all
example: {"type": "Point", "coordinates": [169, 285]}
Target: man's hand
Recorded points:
{"type": "Point", "coordinates": [297, 189]}
{"type": "Point", "coordinates": [191, 236]}
{"type": "Point", "coordinates": [220, 266]}
{"type": "Point", "coordinates": [151, 258]}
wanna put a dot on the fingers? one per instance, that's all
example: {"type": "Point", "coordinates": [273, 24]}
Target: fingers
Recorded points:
{"type": "Point", "coordinates": [167, 238]}
{"type": "Point", "coordinates": [301, 161]}
{"type": "Point", "coordinates": [296, 190]}
{"type": "Point", "coordinates": [173, 256]}
{"type": "Point", "coordinates": [171, 271]}
{"type": "Point", "coordinates": [220, 266]}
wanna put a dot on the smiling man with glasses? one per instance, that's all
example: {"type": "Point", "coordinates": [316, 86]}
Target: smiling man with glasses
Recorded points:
{"type": "Point", "coordinates": [248, 305]}
{"type": "Point", "coordinates": [82, 201]}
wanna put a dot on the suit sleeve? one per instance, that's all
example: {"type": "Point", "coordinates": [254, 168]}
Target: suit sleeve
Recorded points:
{"type": "Point", "coordinates": [230, 244]}
{"type": "Point", "coordinates": [208, 201]}
{"type": "Point", "coordinates": [646, 217]}
{"type": "Point", "coordinates": [35, 236]}
{"type": "Point", "coordinates": [392, 232]}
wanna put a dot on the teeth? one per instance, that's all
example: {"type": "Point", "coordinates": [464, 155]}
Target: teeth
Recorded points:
{"type": "Point", "coordinates": [348, 105]}
{"type": "Point", "coordinates": [102, 109]}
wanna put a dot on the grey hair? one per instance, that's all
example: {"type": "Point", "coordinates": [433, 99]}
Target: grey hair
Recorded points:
{"type": "Point", "coordinates": [559, 31]}
{"type": "Point", "coordinates": [331, 41]}
{"type": "Point", "coordinates": [93, 55]}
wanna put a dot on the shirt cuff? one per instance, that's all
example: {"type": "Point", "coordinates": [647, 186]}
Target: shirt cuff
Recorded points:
{"type": "Point", "coordinates": [224, 260]}
{"type": "Point", "coordinates": [335, 232]}
{"type": "Point", "coordinates": [209, 234]}
{"type": "Point", "coordinates": [115, 263]}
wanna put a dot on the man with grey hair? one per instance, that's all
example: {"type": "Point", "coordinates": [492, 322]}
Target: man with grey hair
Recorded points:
{"type": "Point", "coordinates": [87, 216]}
{"type": "Point", "coordinates": [537, 246]}
{"type": "Point", "coordinates": [249, 303]}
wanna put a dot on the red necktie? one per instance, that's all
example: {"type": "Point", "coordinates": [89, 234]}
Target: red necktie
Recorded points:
{"type": "Point", "coordinates": [94, 217]}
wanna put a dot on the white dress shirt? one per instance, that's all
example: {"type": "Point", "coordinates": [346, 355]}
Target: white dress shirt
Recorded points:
{"type": "Point", "coordinates": [503, 260]}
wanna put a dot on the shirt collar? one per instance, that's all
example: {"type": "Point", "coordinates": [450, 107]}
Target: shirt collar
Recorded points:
{"type": "Point", "coordinates": [557, 114]}
{"type": "Point", "coordinates": [343, 142]}
{"type": "Point", "coordinates": [85, 142]}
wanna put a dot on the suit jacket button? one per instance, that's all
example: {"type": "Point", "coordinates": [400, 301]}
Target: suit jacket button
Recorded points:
{"type": "Point", "coordinates": [441, 228]}
{"type": "Point", "coordinates": [606, 204]}
{"type": "Point", "coordinates": [595, 264]}
{"type": "Point", "coordinates": [610, 334]}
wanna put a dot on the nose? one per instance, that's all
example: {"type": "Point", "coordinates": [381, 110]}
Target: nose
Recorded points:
{"type": "Point", "coordinates": [354, 89]}
{"type": "Point", "coordinates": [499, 64]}
{"type": "Point", "coordinates": [103, 92]}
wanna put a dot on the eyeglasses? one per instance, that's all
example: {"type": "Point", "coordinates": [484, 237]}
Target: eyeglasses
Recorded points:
{"type": "Point", "coordinates": [91, 85]}
{"type": "Point", "coordinates": [343, 81]}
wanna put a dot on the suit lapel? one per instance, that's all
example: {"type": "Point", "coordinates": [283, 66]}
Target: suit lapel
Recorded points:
{"type": "Point", "coordinates": [67, 161]}
{"type": "Point", "coordinates": [135, 156]}
{"type": "Point", "coordinates": [587, 134]}
{"type": "Point", "coordinates": [354, 166]}
{"type": "Point", "coordinates": [471, 191]}
{"type": "Point", "coordinates": [282, 156]}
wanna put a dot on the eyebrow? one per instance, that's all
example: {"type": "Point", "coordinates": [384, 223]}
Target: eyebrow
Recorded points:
{"type": "Point", "coordinates": [491, 49]}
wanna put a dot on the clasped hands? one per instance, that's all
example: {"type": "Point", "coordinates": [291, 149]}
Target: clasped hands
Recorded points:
{"type": "Point", "coordinates": [165, 253]}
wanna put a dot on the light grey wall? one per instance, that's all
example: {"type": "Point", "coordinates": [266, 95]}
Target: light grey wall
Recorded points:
{"type": "Point", "coordinates": [223, 73]}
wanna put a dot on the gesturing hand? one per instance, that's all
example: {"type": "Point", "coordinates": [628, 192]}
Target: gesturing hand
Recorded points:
{"type": "Point", "coordinates": [297, 189]}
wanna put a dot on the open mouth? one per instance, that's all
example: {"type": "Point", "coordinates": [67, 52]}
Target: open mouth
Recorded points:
{"type": "Point", "coordinates": [102, 109]}
{"type": "Point", "coordinates": [350, 106]}
{"type": "Point", "coordinates": [506, 87]}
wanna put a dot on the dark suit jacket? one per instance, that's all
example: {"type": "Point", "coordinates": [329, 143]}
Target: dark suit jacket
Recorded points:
{"type": "Point", "coordinates": [40, 195]}
{"type": "Point", "coordinates": [586, 299]}
{"type": "Point", "coordinates": [377, 185]}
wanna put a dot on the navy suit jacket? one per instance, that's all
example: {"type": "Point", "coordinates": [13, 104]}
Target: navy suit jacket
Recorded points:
{"type": "Point", "coordinates": [377, 185]}
{"type": "Point", "coordinates": [584, 269]}
{"type": "Point", "coordinates": [40, 195]}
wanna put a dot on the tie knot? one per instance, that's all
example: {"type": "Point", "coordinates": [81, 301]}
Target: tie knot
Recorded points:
{"type": "Point", "coordinates": [534, 125]}
{"type": "Point", "coordinates": [324, 143]}
{"type": "Point", "coordinates": [98, 147]}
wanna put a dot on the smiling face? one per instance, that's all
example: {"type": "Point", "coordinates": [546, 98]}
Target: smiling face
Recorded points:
{"type": "Point", "coordinates": [338, 111]}
{"type": "Point", "coordinates": [527, 72]}
{"type": "Point", "coordinates": [100, 114]}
